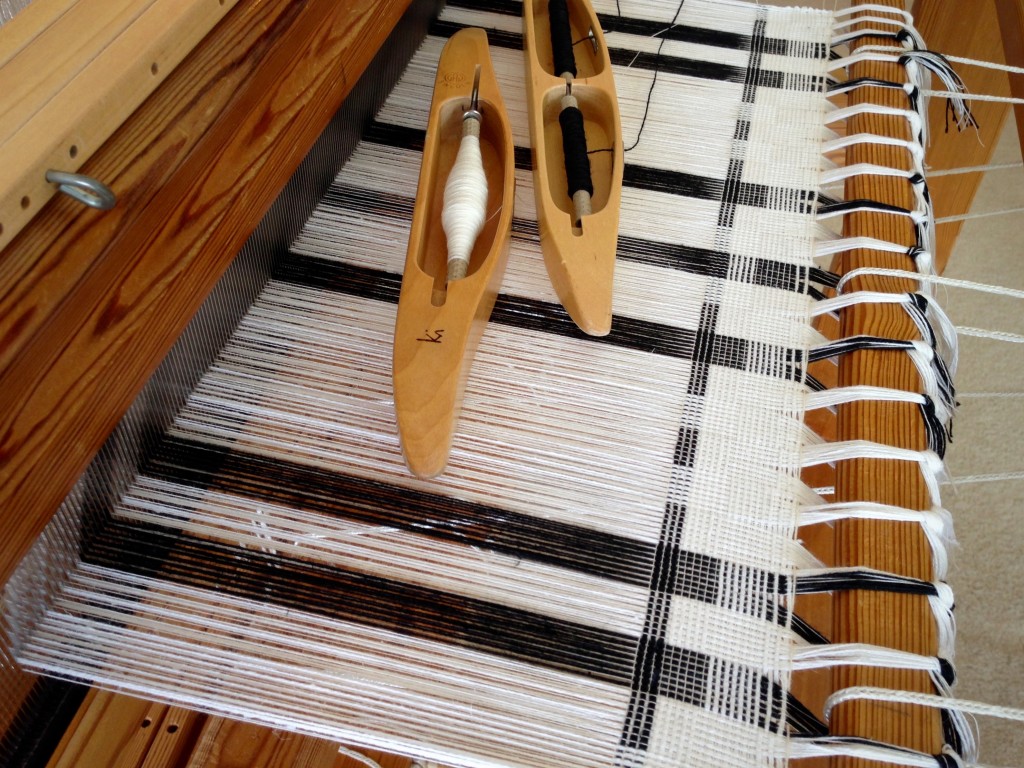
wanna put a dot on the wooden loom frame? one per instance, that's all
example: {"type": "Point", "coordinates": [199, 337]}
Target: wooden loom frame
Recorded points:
{"type": "Point", "coordinates": [90, 303]}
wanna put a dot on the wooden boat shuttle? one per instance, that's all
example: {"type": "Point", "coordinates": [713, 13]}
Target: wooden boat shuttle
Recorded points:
{"type": "Point", "coordinates": [578, 245]}
{"type": "Point", "coordinates": [441, 317]}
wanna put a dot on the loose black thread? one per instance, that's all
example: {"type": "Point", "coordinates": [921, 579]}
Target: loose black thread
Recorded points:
{"type": "Point", "coordinates": [654, 80]}
{"type": "Point", "coordinates": [574, 145]}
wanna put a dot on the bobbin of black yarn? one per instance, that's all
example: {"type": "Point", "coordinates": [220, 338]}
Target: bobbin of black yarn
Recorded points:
{"type": "Point", "coordinates": [574, 145]}
{"type": "Point", "coordinates": [561, 37]}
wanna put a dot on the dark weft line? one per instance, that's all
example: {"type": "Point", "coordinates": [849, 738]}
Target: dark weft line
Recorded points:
{"type": "Point", "coordinates": [408, 610]}
{"type": "Point", "coordinates": [648, 28]}
{"type": "Point", "coordinates": [537, 316]}
{"type": "Point", "coordinates": [635, 176]}
{"type": "Point", "coordinates": [664, 63]}
{"type": "Point", "coordinates": [435, 516]}
{"type": "Point", "coordinates": [705, 262]}
{"type": "Point", "coordinates": [304, 488]}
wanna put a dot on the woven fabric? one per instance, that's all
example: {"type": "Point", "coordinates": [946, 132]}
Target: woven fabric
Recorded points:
{"type": "Point", "coordinates": [600, 576]}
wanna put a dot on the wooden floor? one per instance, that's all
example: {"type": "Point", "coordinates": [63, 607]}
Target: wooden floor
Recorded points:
{"type": "Point", "coordinates": [117, 731]}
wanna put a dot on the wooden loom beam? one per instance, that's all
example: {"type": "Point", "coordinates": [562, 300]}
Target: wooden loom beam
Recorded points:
{"type": "Point", "coordinates": [92, 302]}
{"type": "Point", "coordinates": [882, 618]}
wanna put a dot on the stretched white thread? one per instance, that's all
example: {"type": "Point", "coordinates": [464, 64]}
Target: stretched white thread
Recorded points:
{"type": "Point", "coordinates": [923, 356]}
{"type": "Point", "coordinates": [465, 200]}
{"type": "Point", "coordinates": [846, 37]}
{"type": "Point", "coordinates": [988, 395]}
{"type": "Point", "coordinates": [932, 468]}
{"type": "Point", "coordinates": [829, 398]}
{"type": "Point", "coordinates": [980, 215]}
{"type": "Point", "coordinates": [922, 699]}
{"type": "Point", "coordinates": [908, 19]}
{"type": "Point", "coordinates": [1012, 338]}
{"type": "Point", "coordinates": [996, 290]}
{"type": "Point", "coordinates": [936, 523]}
{"type": "Point", "coordinates": [358, 757]}
{"type": "Point", "coordinates": [845, 113]}
{"type": "Point", "coordinates": [976, 169]}
{"type": "Point", "coordinates": [862, 169]}
{"type": "Point", "coordinates": [833, 304]}
{"type": "Point", "coordinates": [836, 746]}
{"type": "Point", "coordinates": [985, 64]}
{"type": "Point", "coordinates": [862, 654]}
{"type": "Point", "coordinates": [915, 149]}
{"type": "Point", "coordinates": [975, 96]}
{"type": "Point", "coordinates": [934, 324]}
{"type": "Point", "coordinates": [843, 244]}
{"type": "Point", "coordinates": [1000, 477]}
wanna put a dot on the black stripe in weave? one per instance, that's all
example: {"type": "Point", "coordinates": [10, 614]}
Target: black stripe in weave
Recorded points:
{"type": "Point", "coordinates": [700, 345]}
{"type": "Point", "coordinates": [408, 610]}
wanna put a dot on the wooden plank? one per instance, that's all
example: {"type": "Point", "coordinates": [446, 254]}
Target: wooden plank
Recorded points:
{"type": "Point", "coordinates": [45, 263]}
{"type": "Point", "coordinates": [29, 23]}
{"type": "Point", "coordinates": [884, 619]}
{"type": "Point", "coordinates": [70, 382]}
{"type": "Point", "coordinates": [231, 744]}
{"type": "Point", "coordinates": [108, 730]}
{"type": "Point", "coordinates": [1011, 27]}
{"type": "Point", "coordinates": [944, 30]}
{"type": "Point", "coordinates": [36, 73]}
{"type": "Point", "coordinates": [61, 129]}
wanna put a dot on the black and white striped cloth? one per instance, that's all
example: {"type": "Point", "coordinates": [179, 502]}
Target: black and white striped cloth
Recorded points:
{"type": "Point", "coordinates": [601, 576]}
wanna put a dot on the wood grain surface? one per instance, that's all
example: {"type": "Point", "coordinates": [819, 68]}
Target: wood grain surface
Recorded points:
{"type": "Point", "coordinates": [78, 348]}
{"type": "Point", "coordinates": [880, 618]}
{"type": "Point", "coordinates": [68, 91]}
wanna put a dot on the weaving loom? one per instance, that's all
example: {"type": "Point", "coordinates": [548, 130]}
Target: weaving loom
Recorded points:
{"type": "Point", "coordinates": [608, 571]}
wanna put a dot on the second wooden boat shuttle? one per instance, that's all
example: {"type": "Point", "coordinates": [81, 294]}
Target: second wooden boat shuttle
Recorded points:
{"type": "Point", "coordinates": [458, 248]}
{"type": "Point", "coordinates": [577, 154]}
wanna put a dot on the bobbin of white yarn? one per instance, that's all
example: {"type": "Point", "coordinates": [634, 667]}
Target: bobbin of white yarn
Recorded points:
{"type": "Point", "coordinates": [465, 199]}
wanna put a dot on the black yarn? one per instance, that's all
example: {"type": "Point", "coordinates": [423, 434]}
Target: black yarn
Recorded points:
{"type": "Point", "coordinates": [574, 145]}
{"type": "Point", "coordinates": [561, 37]}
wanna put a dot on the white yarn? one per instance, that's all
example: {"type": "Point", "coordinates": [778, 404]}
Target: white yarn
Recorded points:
{"type": "Point", "coordinates": [936, 523]}
{"type": "Point", "coordinates": [841, 142]}
{"type": "Point", "coordinates": [852, 10]}
{"type": "Point", "coordinates": [845, 113]}
{"type": "Point", "coordinates": [829, 398]}
{"type": "Point", "coordinates": [976, 169]}
{"type": "Point", "coordinates": [863, 654]}
{"type": "Point", "coordinates": [359, 757]}
{"type": "Point", "coordinates": [836, 746]}
{"type": "Point", "coordinates": [833, 304]}
{"type": "Point", "coordinates": [932, 468]}
{"type": "Point", "coordinates": [465, 199]}
{"type": "Point", "coordinates": [999, 477]}
{"type": "Point", "coordinates": [843, 244]}
{"type": "Point", "coordinates": [979, 215]}
{"type": "Point", "coordinates": [934, 279]}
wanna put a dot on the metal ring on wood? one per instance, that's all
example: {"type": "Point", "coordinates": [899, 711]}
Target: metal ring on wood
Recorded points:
{"type": "Point", "coordinates": [85, 189]}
